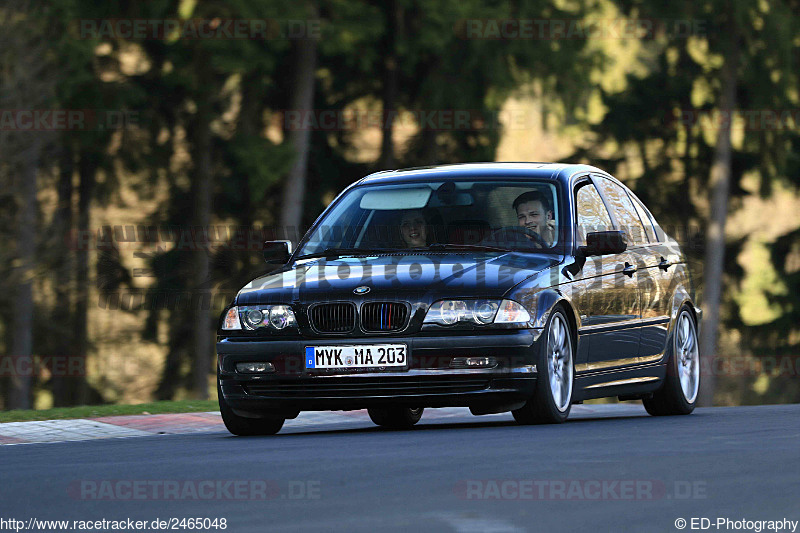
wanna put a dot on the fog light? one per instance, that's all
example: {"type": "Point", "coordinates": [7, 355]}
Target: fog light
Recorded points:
{"type": "Point", "coordinates": [254, 368]}
{"type": "Point", "coordinates": [481, 362]}
{"type": "Point", "coordinates": [473, 362]}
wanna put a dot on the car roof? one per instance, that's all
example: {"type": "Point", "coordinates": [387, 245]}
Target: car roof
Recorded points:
{"type": "Point", "coordinates": [554, 171]}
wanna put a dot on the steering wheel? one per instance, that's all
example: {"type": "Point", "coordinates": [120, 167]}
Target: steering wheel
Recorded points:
{"type": "Point", "coordinates": [516, 234]}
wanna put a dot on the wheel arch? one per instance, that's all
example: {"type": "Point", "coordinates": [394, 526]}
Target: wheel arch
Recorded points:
{"type": "Point", "coordinates": [682, 297]}
{"type": "Point", "coordinates": [550, 299]}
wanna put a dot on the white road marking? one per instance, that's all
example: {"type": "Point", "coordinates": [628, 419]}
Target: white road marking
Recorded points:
{"type": "Point", "coordinates": [468, 523]}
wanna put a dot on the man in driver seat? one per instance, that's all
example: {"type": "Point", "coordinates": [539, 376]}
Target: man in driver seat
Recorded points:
{"type": "Point", "coordinates": [534, 213]}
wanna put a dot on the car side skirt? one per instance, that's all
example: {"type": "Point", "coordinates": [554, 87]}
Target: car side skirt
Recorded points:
{"type": "Point", "coordinates": [632, 381]}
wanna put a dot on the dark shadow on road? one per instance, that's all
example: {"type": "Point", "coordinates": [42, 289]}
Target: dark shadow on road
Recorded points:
{"type": "Point", "coordinates": [424, 426]}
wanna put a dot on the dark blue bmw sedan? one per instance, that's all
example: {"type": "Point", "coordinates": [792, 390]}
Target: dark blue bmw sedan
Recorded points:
{"type": "Point", "coordinates": [522, 287]}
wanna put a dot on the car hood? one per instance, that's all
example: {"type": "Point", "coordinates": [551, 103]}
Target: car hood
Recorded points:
{"type": "Point", "coordinates": [422, 277]}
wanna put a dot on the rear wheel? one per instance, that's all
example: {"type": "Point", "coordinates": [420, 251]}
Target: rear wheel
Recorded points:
{"type": "Point", "coordinates": [678, 394]}
{"type": "Point", "coordinates": [244, 426]}
{"type": "Point", "coordinates": [553, 398]}
{"type": "Point", "coordinates": [395, 417]}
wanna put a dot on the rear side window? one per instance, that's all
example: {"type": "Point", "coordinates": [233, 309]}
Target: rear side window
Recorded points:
{"type": "Point", "coordinates": [645, 218]}
{"type": "Point", "coordinates": [624, 212]}
{"type": "Point", "coordinates": [592, 213]}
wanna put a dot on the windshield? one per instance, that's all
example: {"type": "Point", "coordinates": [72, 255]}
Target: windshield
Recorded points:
{"type": "Point", "coordinates": [489, 215]}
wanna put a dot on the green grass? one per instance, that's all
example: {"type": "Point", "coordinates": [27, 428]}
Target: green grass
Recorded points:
{"type": "Point", "coordinates": [94, 411]}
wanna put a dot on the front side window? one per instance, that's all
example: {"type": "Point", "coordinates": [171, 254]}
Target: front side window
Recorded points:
{"type": "Point", "coordinates": [591, 212]}
{"type": "Point", "coordinates": [622, 207]}
{"type": "Point", "coordinates": [513, 215]}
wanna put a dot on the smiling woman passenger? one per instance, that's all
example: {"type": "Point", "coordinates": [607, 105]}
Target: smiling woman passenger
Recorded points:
{"type": "Point", "coordinates": [412, 229]}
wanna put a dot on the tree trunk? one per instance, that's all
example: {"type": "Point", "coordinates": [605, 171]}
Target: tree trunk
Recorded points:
{"type": "Point", "coordinates": [390, 65]}
{"type": "Point", "coordinates": [87, 169]}
{"type": "Point", "coordinates": [62, 227]}
{"type": "Point", "coordinates": [715, 236]}
{"type": "Point", "coordinates": [27, 81]}
{"type": "Point", "coordinates": [299, 138]}
{"type": "Point", "coordinates": [22, 325]}
{"type": "Point", "coordinates": [201, 219]}
{"type": "Point", "coordinates": [248, 126]}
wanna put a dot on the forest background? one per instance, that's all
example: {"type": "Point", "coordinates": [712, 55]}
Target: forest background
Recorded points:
{"type": "Point", "coordinates": [147, 148]}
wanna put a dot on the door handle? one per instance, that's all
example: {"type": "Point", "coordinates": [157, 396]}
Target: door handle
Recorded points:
{"type": "Point", "coordinates": [629, 269]}
{"type": "Point", "coordinates": [664, 264]}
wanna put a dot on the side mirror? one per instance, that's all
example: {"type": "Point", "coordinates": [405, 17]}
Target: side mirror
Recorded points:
{"type": "Point", "coordinates": [277, 252]}
{"type": "Point", "coordinates": [604, 243]}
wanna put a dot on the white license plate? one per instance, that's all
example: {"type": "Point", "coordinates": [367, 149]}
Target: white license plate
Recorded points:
{"type": "Point", "coordinates": [363, 356]}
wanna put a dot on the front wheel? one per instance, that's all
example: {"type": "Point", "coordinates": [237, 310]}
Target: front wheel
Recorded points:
{"type": "Point", "coordinates": [395, 417]}
{"type": "Point", "coordinates": [243, 426]}
{"type": "Point", "coordinates": [553, 398]}
{"type": "Point", "coordinates": [678, 394]}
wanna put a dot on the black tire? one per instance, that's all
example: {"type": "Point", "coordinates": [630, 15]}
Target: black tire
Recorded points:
{"type": "Point", "coordinates": [395, 417]}
{"type": "Point", "coordinates": [243, 426]}
{"type": "Point", "coordinates": [542, 408]}
{"type": "Point", "coordinates": [671, 399]}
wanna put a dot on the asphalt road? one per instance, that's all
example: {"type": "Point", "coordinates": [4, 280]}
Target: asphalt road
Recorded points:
{"type": "Point", "coordinates": [613, 469]}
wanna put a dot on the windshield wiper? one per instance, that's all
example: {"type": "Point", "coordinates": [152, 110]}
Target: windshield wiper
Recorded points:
{"type": "Point", "coordinates": [466, 247]}
{"type": "Point", "coordinates": [336, 252]}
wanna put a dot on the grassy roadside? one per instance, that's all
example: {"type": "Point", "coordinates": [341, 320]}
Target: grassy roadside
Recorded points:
{"type": "Point", "coordinates": [94, 411]}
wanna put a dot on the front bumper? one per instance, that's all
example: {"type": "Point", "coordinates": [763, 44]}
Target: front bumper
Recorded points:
{"type": "Point", "coordinates": [427, 382]}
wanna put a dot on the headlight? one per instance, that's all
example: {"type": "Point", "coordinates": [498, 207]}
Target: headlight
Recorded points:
{"type": "Point", "coordinates": [484, 312]}
{"type": "Point", "coordinates": [253, 317]}
{"type": "Point", "coordinates": [449, 311]}
{"type": "Point", "coordinates": [281, 316]}
{"type": "Point", "coordinates": [479, 312]}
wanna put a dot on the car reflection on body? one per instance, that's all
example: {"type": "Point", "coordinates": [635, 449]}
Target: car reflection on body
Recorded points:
{"type": "Point", "coordinates": [521, 287]}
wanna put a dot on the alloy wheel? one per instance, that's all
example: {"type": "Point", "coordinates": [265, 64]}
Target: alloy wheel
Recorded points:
{"type": "Point", "coordinates": [559, 363]}
{"type": "Point", "coordinates": [688, 357]}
